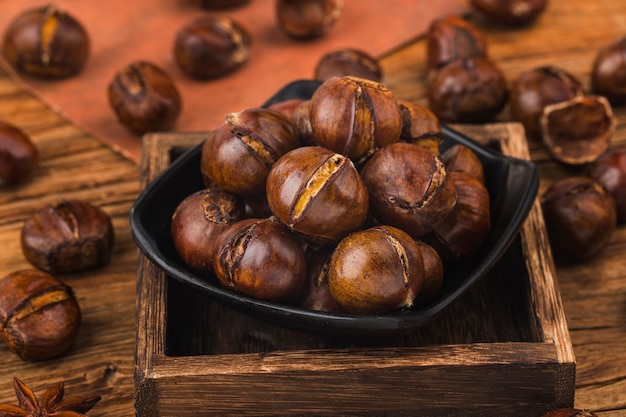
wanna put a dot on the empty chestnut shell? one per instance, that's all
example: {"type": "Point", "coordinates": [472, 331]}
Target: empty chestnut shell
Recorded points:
{"type": "Point", "coordinates": [579, 130]}
{"type": "Point", "coordinates": [537, 88]}
{"type": "Point", "coordinates": [144, 97]}
{"type": "Point", "coordinates": [260, 258]}
{"type": "Point", "coordinates": [302, 19]}
{"type": "Point", "coordinates": [580, 218]}
{"type": "Point", "coordinates": [408, 188]}
{"type": "Point", "coordinates": [348, 61]}
{"type": "Point", "coordinates": [450, 38]}
{"type": "Point", "coordinates": [510, 12]}
{"type": "Point", "coordinates": [468, 90]}
{"type": "Point", "coordinates": [376, 271]}
{"type": "Point", "coordinates": [46, 42]}
{"type": "Point", "coordinates": [609, 170]}
{"type": "Point", "coordinates": [238, 155]}
{"type": "Point", "coordinates": [608, 75]}
{"type": "Point", "coordinates": [198, 221]}
{"type": "Point", "coordinates": [19, 156]}
{"type": "Point", "coordinates": [211, 47]}
{"type": "Point", "coordinates": [317, 193]}
{"type": "Point", "coordinates": [354, 117]}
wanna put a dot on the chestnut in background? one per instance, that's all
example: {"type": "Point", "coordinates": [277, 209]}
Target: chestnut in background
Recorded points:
{"type": "Point", "coordinates": [348, 61]}
{"type": "Point", "coordinates": [305, 19]}
{"type": "Point", "coordinates": [510, 12]}
{"type": "Point", "coordinates": [609, 170]}
{"type": "Point", "coordinates": [608, 75]}
{"type": "Point", "coordinates": [19, 157]}
{"type": "Point", "coordinates": [450, 38]}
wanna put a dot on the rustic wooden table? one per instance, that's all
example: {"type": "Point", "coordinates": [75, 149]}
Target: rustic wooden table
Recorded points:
{"type": "Point", "coordinates": [76, 165]}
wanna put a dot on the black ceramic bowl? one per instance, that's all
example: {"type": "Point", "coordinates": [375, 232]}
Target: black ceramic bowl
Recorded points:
{"type": "Point", "coordinates": [512, 184]}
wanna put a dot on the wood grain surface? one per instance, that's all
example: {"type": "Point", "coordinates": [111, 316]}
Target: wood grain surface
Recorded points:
{"type": "Point", "coordinates": [74, 164]}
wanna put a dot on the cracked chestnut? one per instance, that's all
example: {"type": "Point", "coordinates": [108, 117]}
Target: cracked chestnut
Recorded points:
{"type": "Point", "coordinates": [318, 194]}
{"type": "Point", "coordinates": [68, 236]}
{"type": "Point", "coordinates": [19, 157]}
{"type": "Point", "coordinates": [305, 19]}
{"type": "Point", "coordinates": [39, 315]}
{"type": "Point", "coordinates": [260, 258]}
{"type": "Point", "coordinates": [376, 270]}
{"type": "Point", "coordinates": [46, 42]}
{"type": "Point", "coordinates": [144, 97]}
{"type": "Point", "coordinates": [237, 156]}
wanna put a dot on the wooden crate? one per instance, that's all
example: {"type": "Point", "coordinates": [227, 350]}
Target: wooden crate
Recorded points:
{"type": "Point", "coordinates": [503, 349]}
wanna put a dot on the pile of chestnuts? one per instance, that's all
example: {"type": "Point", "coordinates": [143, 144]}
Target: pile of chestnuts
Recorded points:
{"type": "Point", "coordinates": [345, 205]}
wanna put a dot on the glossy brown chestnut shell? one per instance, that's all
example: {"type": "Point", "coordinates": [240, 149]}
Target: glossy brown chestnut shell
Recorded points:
{"type": "Point", "coordinates": [579, 130]}
{"type": "Point", "coordinates": [348, 61]}
{"type": "Point", "coordinates": [510, 12]}
{"type": "Point", "coordinates": [433, 274]}
{"type": "Point", "coordinates": [238, 155]}
{"type": "Point", "coordinates": [316, 294]}
{"type": "Point", "coordinates": [537, 88]}
{"type": "Point", "coordinates": [450, 38]}
{"type": "Point", "coordinates": [461, 158]}
{"type": "Point", "coordinates": [608, 75]}
{"type": "Point", "coordinates": [39, 315]}
{"type": "Point", "coordinates": [375, 271]}
{"type": "Point", "coordinates": [468, 90]}
{"type": "Point", "coordinates": [580, 218]}
{"type": "Point", "coordinates": [408, 188]}
{"type": "Point", "coordinates": [260, 258]}
{"type": "Point", "coordinates": [19, 157]}
{"type": "Point", "coordinates": [420, 126]}
{"type": "Point", "coordinates": [46, 42]}
{"type": "Point", "coordinates": [198, 221]}
{"type": "Point", "coordinates": [304, 19]}
{"type": "Point", "coordinates": [354, 117]}
{"type": "Point", "coordinates": [609, 170]}
{"type": "Point", "coordinates": [211, 47]}
{"type": "Point", "coordinates": [317, 193]}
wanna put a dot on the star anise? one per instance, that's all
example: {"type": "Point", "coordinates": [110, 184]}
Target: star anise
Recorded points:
{"type": "Point", "coordinates": [53, 404]}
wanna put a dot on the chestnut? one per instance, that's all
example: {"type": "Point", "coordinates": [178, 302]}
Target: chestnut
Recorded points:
{"type": "Point", "coordinates": [537, 88]}
{"type": "Point", "coordinates": [468, 90]}
{"type": "Point", "coordinates": [46, 42]}
{"type": "Point", "coordinates": [144, 97]}
{"type": "Point", "coordinates": [19, 157]}
{"type": "Point", "coordinates": [305, 19]}
{"type": "Point", "coordinates": [464, 230]}
{"type": "Point", "coordinates": [376, 270]}
{"type": "Point", "coordinates": [348, 61]}
{"type": "Point", "coordinates": [302, 121]}
{"type": "Point", "coordinates": [579, 130]}
{"type": "Point", "coordinates": [449, 38]}
{"type": "Point", "coordinates": [420, 126]}
{"type": "Point", "coordinates": [318, 194]}
{"type": "Point", "coordinates": [287, 107]}
{"type": "Point", "coordinates": [238, 155]}
{"type": "Point", "coordinates": [316, 295]}
{"type": "Point", "coordinates": [580, 218]}
{"type": "Point", "coordinates": [68, 236]}
{"type": "Point", "coordinates": [354, 117]}
{"type": "Point", "coordinates": [211, 47]}
{"type": "Point", "coordinates": [222, 4]}
{"type": "Point", "coordinates": [39, 315]}
{"type": "Point", "coordinates": [510, 12]}
{"type": "Point", "coordinates": [408, 188]}
{"type": "Point", "coordinates": [608, 74]}
{"type": "Point", "coordinates": [260, 258]}
{"type": "Point", "coordinates": [198, 221]}
{"type": "Point", "coordinates": [433, 274]}
{"type": "Point", "coordinates": [459, 157]}
{"type": "Point", "coordinates": [609, 170]}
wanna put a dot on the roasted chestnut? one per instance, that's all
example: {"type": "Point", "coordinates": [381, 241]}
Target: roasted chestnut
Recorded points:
{"type": "Point", "coordinates": [376, 271]}
{"type": "Point", "coordinates": [317, 193]}
{"type": "Point", "coordinates": [144, 97]}
{"type": "Point", "coordinates": [450, 38]}
{"type": "Point", "coordinates": [211, 47]}
{"type": "Point", "coordinates": [303, 19]}
{"type": "Point", "coordinates": [468, 90]}
{"type": "Point", "coordinates": [348, 61]}
{"type": "Point", "coordinates": [537, 88]}
{"type": "Point", "coordinates": [510, 12]}
{"type": "Point", "coordinates": [609, 170]}
{"type": "Point", "coordinates": [19, 157]}
{"type": "Point", "coordinates": [354, 117]}
{"type": "Point", "coordinates": [198, 221]}
{"type": "Point", "coordinates": [316, 295]}
{"type": "Point", "coordinates": [46, 42]}
{"type": "Point", "coordinates": [580, 218]}
{"type": "Point", "coordinates": [461, 158]}
{"type": "Point", "coordinates": [433, 274]}
{"type": "Point", "coordinates": [260, 258]}
{"type": "Point", "coordinates": [238, 155]}
{"type": "Point", "coordinates": [408, 188]}
{"type": "Point", "coordinates": [608, 75]}
{"type": "Point", "coordinates": [420, 126]}
{"type": "Point", "coordinates": [579, 130]}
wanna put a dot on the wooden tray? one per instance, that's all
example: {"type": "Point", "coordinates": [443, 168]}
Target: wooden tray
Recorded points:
{"type": "Point", "coordinates": [503, 349]}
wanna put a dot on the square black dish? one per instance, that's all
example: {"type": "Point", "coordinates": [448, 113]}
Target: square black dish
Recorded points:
{"type": "Point", "coordinates": [512, 184]}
